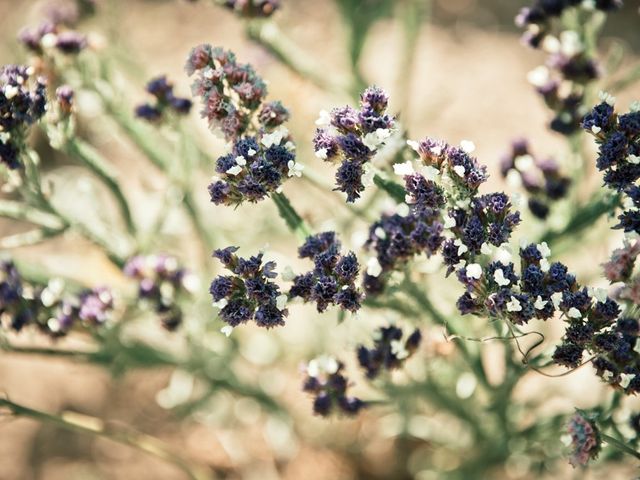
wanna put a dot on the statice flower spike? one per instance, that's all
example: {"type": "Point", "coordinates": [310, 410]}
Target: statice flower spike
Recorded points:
{"type": "Point", "coordinates": [327, 383]}
{"type": "Point", "coordinates": [351, 137]}
{"type": "Point", "coordinates": [332, 280]}
{"type": "Point", "coordinates": [250, 292]}
{"type": "Point", "coordinates": [585, 439]}
{"type": "Point", "coordinates": [22, 103]}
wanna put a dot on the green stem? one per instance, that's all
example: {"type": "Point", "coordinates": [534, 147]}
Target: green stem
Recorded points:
{"type": "Point", "coordinates": [92, 159]}
{"type": "Point", "coordinates": [267, 34]}
{"type": "Point", "coordinates": [615, 443]}
{"type": "Point", "coordinates": [395, 190]}
{"type": "Point", "coordinates": [94, 426]}
{"type": "Point", "coordinates": [294, 221]}
{"type": "Point", "coordinates": [21, 211]}
{"type": "Point", "coordinates": [28, 238]}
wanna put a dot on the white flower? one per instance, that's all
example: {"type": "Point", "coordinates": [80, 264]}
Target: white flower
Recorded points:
{"type": "Point", "coordinates": [281, 302]}
{"type": "Point", "coordinates": [324, 119]}
{"type": "Point", "coordinates": [595, 129]}
{"type": "Point", "coordinates": [551, 44]}
{"type": "Point", "coordinates": [500, 279]}
{"type": "Point", "coordinates": [474, 270]}
{"type": "Point", "coordinates": [635, 159]}
{"type": "Point", "coordinates": [539, 76]}
{"type": "Point", "coordinates": [240, 160]}
{"type": "Point", "coordinates": [398, 349]}
{"type": "Point", "coordinates": [503, 254]}
{"type": "Point", "coordinates": [524, 162]}
{"type": "Point", "coordinates": [449, 222]}
{"type": "Point", "coordinates": [574, 313]}
{"type": "Point", "coordinates": [606, 97]}
{"type": "Point", "coordinates": [10, 91]}
{"type": "Point", "coordinates": [486, 249]}
{"type": "Point", "coordinates": [403, 169]}
{"type": "Point", "coordinates": [295, 169]}
{"type": "Point", "coordinates": [288, 274]}
{"type": "Point", "coordinates": [625, 379]}
{"type": "Point", "coordinates": [607, 375]}
{"type": "Point", "coordinates": [49, 40]}
{"type": "Point", "coordinates": [413, 144]}
{"type": "Point", "coordinates": [599, 293]}
{"type": "Point", "coordinates": [373, 267]}
{"type": "Point", "coordinates": [227, 329]}
{"type": "Point", "coordinates": [403, 209]}
{"type": "Point", "coordinates": [459, 169]}
{"type": "Point", "coordinates": [321, 154]}
{"type": "Point", "coordinates": [322, 364]}
{"type": "Point", "coordinates": [514, 179]}
{"type": "Point", "coordinates": [539, 304]}
{"type": "Point", "coordinates": [380, 233]}
{"type": "Point", "coordinates": [221, 303]}
{"type": "Point", "coordinates": [251, 152]}
{"type": "Point", "coordinates": [368, 173]}
{"type": "Point", "coordinates": [635, 106]}
{"type": "Point", "coordinates": [556, 299]}
{"type": "Point", "coordinates": [544, 249]}
{"type": "Point", "coordinates": [544, 265]}
{"type": "Point", "coordinates": [429, 172]}
{"type": "Point", "coordinates": [5, 137]}
{"type": "Point", "coordinates": [571, 44]}
{"type": "Point", "coordinates": [235, 170]}
{"type": "Point", "coordinates": [462, 248]}
{"type": "Point", "coordinates": [275, 137]}
{"type": "Point", "coordinates": [514, 305]}
{"type": "Point", "coordinates": [467, 146]}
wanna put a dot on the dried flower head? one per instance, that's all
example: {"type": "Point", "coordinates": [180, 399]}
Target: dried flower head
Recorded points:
{"type": "Point", "coordinates": [164, 101]}
{"type": "Point", "coordinates": [389, 352]}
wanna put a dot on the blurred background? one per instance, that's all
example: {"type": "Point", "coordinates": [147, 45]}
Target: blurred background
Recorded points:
{"type": "Point", "coordinates": [468, 81]}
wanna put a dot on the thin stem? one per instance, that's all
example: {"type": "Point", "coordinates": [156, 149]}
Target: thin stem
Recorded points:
{"type": "Point", "coordinates": [21, 211]}
{"type": "Point", "coordinates": [615, 443]}
{"type": "Point", "coordinates": [30, 237]}
{"type": "Point", "coordinates": [267, 34]}
{"type": "Point", "coordinates": [94, 426]}
{"type": "Point", "coordinates": [293, 220]}
{"type": "Point", "coordinates": [92, 159]}
{"type": "Point", "coordinates": [47, 352]}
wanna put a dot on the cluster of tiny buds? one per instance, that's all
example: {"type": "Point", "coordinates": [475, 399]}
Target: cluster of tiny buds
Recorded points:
{"type": "Point", "coordinates": [541, 179]}
{"type": "Point", "coordinates": [161, 283]}
{"type": "Point", "coordinates": [164, 100]}
{"type": "Point", "coordinates": [65, 98]}
{"type": "Point", "coordinates": [49, 308]}
{"type": "Point", "coordinates": [537, 19]}
{"type": "Point", "coordinates": [232, 94]}
{"type": "Point", "coordinates": [352, 138]}
{"type": "Point", "coordinates": [618, 137]}
{"type": "Point", "coordinates": [255, 168]}
{"type": "Point", "coordinates": [326, 381]}
{"type": "Point", "coordinates": [583, 438]}
{"type": "Point", "coordinates": [332, 280]}
{"type": "Point", "coordinates": [22, 102]}
{"type": "Point", "coordinates": [389, 350]}
{"type": "Point", "coordinates": [51, 36]}
{"type": "Point", "coordinates": [250, 293]}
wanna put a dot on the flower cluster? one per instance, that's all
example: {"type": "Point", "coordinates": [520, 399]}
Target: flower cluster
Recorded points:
{"type": "Point", "coordinates": [351, 137]}
{"type": "Point", "coordinates": [232, 94]}
{"type": "Point", "coordinates": [396, 238]}
{"type": "Point", "coordinates": [570, 67]}
{"type": "Point", "coordinates": [326, 381]}
{"type": "Point", "coordinates": [48, 307]}
{"type": "Point", "coordinates": [540, 178]}
{"type": "Point", "coordinates": [50, 36]}
{"type": "Point", "coordinates": [538, 18]}
{"type": "Point", "coordinates": [161, 283]}
{"type": "Point", "coordinates": [618, 137]}
{"type": "Point", "coordinates": [252, 8]}
{"type": "Point", "coordinates": [585, 439]}
{"type": "Point", "coordinates": [389, 351]}
{"type": "Point", "coordinates": [22, 102]}
{"type": "Point", "coordinates": [162, 91]}
{"type": "Point", "coordinates": [250, 293]}
{"type": "Point", "coordinates": [255, 168]}
{"type": "Point", "coordinates": [332, 280]}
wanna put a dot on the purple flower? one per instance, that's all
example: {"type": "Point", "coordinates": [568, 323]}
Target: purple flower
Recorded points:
{"type": "Point", "coordinates": [585, 439]}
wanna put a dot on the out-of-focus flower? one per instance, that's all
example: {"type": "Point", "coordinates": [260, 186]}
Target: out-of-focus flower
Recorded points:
{"type": "Point", "coordinates": [389, 352]}
{"type": "Point", "coordinates": [540, 178]}
{"type": "Point", "coordinates": [165, 100]}
{"type": "Point", "coordinates": [52, 36]}
{"type": "Point", "coordinates": [22, 102]}
{"type": "Point", "coordinates": [585, 440]}
{"type": "Point", "coordinates": [326, 381]}
{"type": "Point", "coordinates": [252, 8]}
{"type": "Point", "coordinates": [161, 281]}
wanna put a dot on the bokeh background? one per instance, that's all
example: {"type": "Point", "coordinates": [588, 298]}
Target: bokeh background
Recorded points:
{"type": "Point", "coordinates": [468, 82]}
